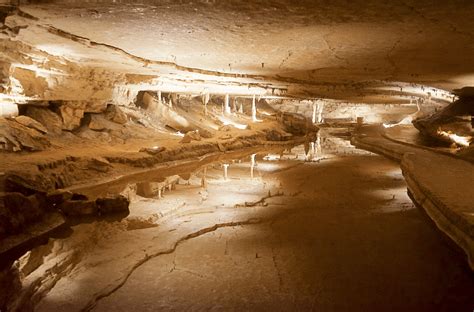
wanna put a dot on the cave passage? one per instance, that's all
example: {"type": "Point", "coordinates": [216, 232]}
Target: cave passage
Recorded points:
{"type": "Point", "coordinates": [271, 155]}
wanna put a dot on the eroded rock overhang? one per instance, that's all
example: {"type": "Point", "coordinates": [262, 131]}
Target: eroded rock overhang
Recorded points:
{"type": "Point", "coordinates": [107, 52]}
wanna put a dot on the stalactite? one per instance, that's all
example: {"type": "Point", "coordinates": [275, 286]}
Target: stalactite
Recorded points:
{"type": "Point", "coordinates": [254, 109]}
{"type": "Point", "coordinates": [226, 105]}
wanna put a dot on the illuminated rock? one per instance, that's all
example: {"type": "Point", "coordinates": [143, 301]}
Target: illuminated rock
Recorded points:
{"type": "Point", "coordinates": [31, 123]}
{"type": "Point", "coordinates": [452, 124]}
{"type": "Point", "coordinates": [153, 150]}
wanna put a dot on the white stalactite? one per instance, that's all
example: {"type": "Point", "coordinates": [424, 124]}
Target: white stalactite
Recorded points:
{"type": "Point", "coordinates": [226, 105]}
{"type": "Point", "coordinates": [159, 97]}
{"type": "Point", "coordinates": [254, 109]}
{"type": "Point", "coordinates": [318, 107]}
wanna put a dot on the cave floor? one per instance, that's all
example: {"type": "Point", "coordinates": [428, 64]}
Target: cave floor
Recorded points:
{"type": "Point", "coordinates": [336, 234]}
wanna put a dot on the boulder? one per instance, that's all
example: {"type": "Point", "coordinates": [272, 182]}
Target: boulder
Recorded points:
{"type": "Point", "coordinates": [98, 164]}
{"type": "Point", "coordinates": [113, 204]}
{"type": "Point", "coordinates": [225, 128]}
{"type": "Point", "coordinates": [115, 114]}
{"type": "Point", "coordinates": [99, 123]}
{"type": "Point", "coordinates": [78, 205]}
{"type": "Point", "coordinates": [455, 119]}
{"type": "Point", "coordinates": [31, 123]}
{"type": "Point", "coordinates": [221, 147]}
{"type": "Point", "coordinates": [153, 150]}
{"type": "Point", "coordinates": [27, 183]}
{"type": "Point", "coordinates": [205, 133]}
{"type": "Point", "coordinates": [17, 211]}
{"type": "Point", "coordinates": [225, 137]}
{"type": "Point", "coordinates": [273, 135]}
{"type": "Point", "coordinates": [15, 137]}
{"type": "Point", "coordinates": [58, 197]}
{"type": "Point", "coordinates": [89, 134]}
{"type": "Point", "coordinates": [46, 117]}
{"type": "Point", "coordinates": [190, 136]}
{"type": "Point", "coordinates": [71, 117]}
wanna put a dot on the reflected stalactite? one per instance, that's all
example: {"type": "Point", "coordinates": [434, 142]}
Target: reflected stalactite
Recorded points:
{"type": "Point", "coordinates": [225, 170]}
{"type": "Point", "coordinates": [204, 178]}
{"type": "Point", "coordinates": [205, 100]}
{"type": "Point", "coordinates": [252, 165]}
{"type": "Point", "coordinates": [318, 153]}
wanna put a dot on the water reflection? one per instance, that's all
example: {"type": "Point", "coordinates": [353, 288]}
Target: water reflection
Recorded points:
{"type": "Point", "coordinates": [244, 165]}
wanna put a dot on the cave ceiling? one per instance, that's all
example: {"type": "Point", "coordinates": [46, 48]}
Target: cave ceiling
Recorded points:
{"type": "Point", "coordinates": [360, 51]}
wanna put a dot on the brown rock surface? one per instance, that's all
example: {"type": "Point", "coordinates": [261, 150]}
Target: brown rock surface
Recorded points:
{"type": "Point", "coordinates": [31, 123]}
{"type": "Point", "coordinates": [115, 114]}
{"type": "Point", "coordinates": [15, 137]}
{"type": "Point", "coordinates": [46, 117]}
{"type": "Point", "coordinates": [112, 204]}
{"type": "Point", "coordinates": [71, 117]}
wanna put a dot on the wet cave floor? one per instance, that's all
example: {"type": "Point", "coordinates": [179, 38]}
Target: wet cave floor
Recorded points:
{"type": "Point", "coordinates": [333, 230]}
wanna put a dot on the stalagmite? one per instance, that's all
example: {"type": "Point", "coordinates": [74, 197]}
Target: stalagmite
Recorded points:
{"type": "Point", "coordinates": [226, 105]}
{"type": "Point", "coordinates": [254, 109]}
{"type": "Point", "coordinates": [241, 108]}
